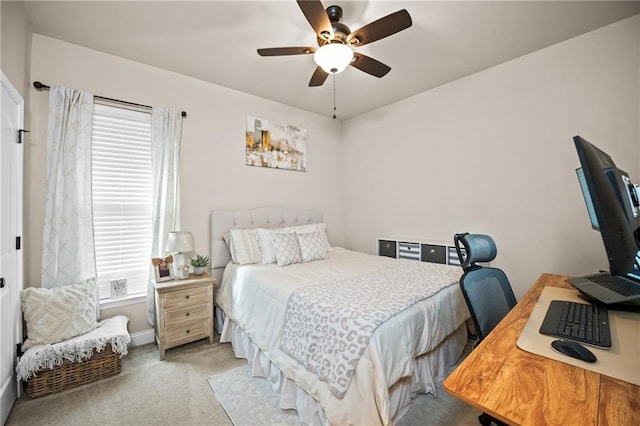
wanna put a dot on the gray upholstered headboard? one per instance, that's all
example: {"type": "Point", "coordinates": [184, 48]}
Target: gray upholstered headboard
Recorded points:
{"type": "Point", "coordinates": [264, 217]}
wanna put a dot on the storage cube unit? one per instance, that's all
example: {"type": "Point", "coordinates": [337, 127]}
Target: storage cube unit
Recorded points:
{"type": "Point", "coordinates": [426, 251]}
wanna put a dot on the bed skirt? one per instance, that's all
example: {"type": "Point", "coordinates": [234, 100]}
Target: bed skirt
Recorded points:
{"type": "Point", "coordinates": [428, 369]}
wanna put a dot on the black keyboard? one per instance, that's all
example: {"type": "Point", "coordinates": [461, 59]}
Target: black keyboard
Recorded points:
{"type": "Point", "coordinates": [620, 285]}
{"type": "Point", "coordinates": [577, 321]}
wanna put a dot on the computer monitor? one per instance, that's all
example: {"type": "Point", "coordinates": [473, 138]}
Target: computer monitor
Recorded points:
{"type": "Point", "coordinates": [587, 199]}
{"type": "Point", "coordinates": [612, 203]}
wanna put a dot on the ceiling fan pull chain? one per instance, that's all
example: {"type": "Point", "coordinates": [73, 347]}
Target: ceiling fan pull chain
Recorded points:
{"type": "Point", "coordinates": [334, 96]}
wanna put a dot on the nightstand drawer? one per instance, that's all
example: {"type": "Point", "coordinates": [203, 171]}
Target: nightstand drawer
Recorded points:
{"type": "Point", "coordinates": [180, 315]}
{"type": "Point", "coordinates": [182, 298]}
{"type": "Point", "coordinates": [187, 332]}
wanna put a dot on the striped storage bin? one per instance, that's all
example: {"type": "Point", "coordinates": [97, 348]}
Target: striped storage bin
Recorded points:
{"type": "Point", "coordinates": [454, 259]}
{"type": "Point", "coordinates": [407, 250]}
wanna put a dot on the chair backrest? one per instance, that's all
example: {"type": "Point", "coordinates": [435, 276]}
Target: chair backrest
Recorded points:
{"type": "Point", "coordinates": [486, 290]}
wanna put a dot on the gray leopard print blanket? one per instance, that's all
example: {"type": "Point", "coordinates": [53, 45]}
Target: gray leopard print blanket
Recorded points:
{"type": "Point", "coordinates": [328, 326]}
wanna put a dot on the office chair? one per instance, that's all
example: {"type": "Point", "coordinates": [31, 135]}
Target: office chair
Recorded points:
{"type": "Point", "coordinates": [486, 290]}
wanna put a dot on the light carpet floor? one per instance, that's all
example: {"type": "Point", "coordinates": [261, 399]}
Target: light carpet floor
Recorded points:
{"type": "Point", "coordinates": [146, 392]}
{"type": "Point", "coordinates": [176, 392]}
{"type": "Point", "coordinates": [251, 401]}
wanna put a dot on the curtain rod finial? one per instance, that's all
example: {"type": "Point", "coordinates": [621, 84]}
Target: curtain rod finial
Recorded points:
{"type": "Point", "coordinates": [39, 85]}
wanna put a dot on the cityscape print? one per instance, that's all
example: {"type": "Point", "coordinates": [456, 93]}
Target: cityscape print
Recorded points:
{"type": "Point", "coordinates": [275, 145]}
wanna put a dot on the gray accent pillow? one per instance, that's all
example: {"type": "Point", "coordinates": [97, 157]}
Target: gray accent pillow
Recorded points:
{"type": "Point", "coordinates": [286, 247]}
{"type": "Point", "coordinates": [312, 246]}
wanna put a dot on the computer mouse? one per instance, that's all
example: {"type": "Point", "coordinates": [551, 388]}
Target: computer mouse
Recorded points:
{"type": "Point", "coordinates": [573, 349]}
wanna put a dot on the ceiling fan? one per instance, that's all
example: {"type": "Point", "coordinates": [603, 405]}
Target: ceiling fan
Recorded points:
{"type": "Point", "coordinates": [336, 41]}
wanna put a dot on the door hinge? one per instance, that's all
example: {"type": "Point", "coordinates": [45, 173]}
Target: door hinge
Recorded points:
{"type": "Point", "coordinates": [18, 242]}
{"type": "Point", "coordinates": [19, 349]}
{"type": "Point", "coordinates": [20, 133]}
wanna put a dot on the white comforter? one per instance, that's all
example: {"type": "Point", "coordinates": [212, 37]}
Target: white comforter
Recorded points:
{"type": "Point", "coordinates": [256, 296]}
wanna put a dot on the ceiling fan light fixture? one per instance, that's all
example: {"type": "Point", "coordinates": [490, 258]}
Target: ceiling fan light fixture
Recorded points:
{"type": "Point", "coordinates": [333, 58]}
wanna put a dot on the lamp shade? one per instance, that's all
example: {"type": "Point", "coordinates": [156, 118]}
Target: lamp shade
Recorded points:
{"type": "Point", "coordinates": [179, 242]}
{"type": "Point", "coordinates": [333, 58]}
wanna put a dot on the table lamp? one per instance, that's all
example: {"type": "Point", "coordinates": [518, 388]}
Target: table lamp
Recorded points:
{"type": "Point", "coordinates": [179, 243]}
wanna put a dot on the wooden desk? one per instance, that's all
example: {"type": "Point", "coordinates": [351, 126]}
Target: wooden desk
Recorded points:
{"type": "Point", "coordinates": [522, 388]}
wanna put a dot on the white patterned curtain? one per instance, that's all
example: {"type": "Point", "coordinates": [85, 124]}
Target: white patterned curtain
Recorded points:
{"type": "Point", "coordinates": [67, 245]}
{"type": "Point", "coordinates": [166, 129]}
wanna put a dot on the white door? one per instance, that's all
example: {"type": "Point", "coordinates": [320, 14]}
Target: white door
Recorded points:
{"type": "Point", "coordinates": [11, 109]}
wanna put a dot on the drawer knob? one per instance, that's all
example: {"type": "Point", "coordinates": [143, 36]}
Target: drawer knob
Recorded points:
{"type": "Point", "coordinates": [187, 296]}
{"type": "Point", "coordinates": [187, 314]}
{"type": "Point", "coordinates": [188, 331]}
{"type": "Point", "coordinates": [432, 251]}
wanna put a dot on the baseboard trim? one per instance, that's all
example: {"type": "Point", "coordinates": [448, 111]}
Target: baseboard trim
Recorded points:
{"type": "Point", "coordinates": [142, 338]}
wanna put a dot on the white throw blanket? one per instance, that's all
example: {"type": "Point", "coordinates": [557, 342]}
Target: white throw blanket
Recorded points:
{"type": "Point", "coordinates": [328, 334]}
{"type": "Point", "coordinates": [112, 330]}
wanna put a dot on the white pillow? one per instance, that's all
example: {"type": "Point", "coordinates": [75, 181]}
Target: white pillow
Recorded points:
{"type": "Point", "coordinates": [226, 237]}
{"type": "Point", "coordinates": [312, 247]}
{"type": "Point", "coordinates": [322, 227]}
{"type": "Point", "coordinates": [266, 244]}
{"type": "Point", "coordinates": [323, 234]}
{"type": "Point", "coordinates": [285, 245]}
{"type": "Point", "coordinates": [243, 246]}
{"type": "Point", "coordinates": [267, 253]}
{"type": "Point", "coordinates": [56, 314]}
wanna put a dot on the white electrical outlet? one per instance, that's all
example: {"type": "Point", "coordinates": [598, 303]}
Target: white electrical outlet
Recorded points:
{"type": "Point", "coordinates": [118, 288]}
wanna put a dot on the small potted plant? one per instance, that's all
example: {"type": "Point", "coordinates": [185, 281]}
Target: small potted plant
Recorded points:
{"type": "Point", "coordinates": [199, 263]}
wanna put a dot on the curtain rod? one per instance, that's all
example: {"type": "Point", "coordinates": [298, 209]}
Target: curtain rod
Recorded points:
{"type": "Point", "coordinates": [39, 86]}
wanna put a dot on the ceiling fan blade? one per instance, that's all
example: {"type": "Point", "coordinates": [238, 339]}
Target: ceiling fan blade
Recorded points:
{"type": "Point", "coordinates": [317, 16]}
{"type": "Point", "coordinates": [381, 28]}
{"type": "Point", "coordinates": [318, 77]}
{"type": "Point", "coordinates": [369, 65]}
{"type": "Point", "coordinates": [282, 51]}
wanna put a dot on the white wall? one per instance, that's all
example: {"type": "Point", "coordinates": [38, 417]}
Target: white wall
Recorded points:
{"type": "Point", "coordinates": [15, 45]}
{"type": "Point", "coordinates": [493, 153]}
{"type": "Point", "coordinates": [213, 173]}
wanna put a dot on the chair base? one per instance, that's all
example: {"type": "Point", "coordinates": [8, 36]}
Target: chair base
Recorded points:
{"type": "Point", "coordinates": [485, 420]}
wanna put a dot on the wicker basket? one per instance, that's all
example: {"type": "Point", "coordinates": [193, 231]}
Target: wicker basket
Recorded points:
{"type": "Point", "coordinates": [71, 374]}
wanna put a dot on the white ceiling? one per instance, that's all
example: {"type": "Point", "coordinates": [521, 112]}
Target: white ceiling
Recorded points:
{"type": "Point", "coordinates": [216, 41]}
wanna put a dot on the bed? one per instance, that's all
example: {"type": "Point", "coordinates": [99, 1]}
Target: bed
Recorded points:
{"type": "Point", "coordinates": [282, 319]}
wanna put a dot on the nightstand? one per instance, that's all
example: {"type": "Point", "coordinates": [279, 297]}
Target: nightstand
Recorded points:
{"type": "Point", "coordinates": [184, 311]}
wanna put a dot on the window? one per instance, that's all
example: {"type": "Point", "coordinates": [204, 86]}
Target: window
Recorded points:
{"type": "Point", "coordinates": [122, 197]}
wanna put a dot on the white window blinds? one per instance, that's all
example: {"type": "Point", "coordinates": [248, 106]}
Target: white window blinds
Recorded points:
{"type": "Point", "coordinates": [122, 197]}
